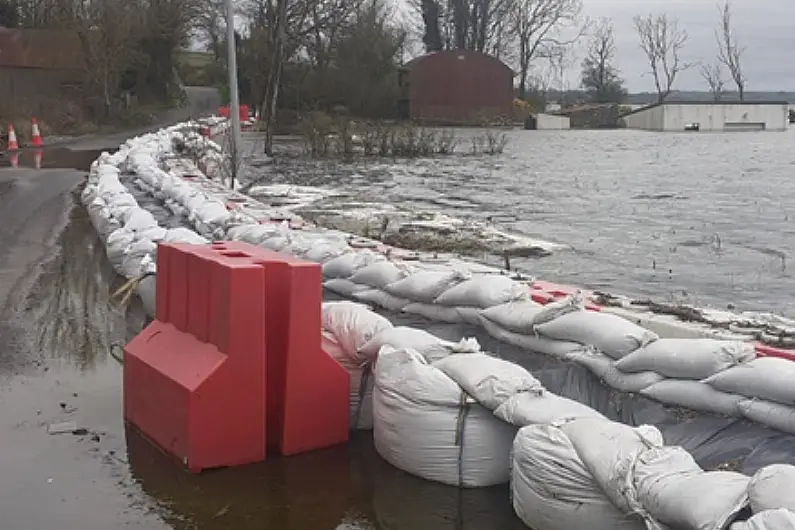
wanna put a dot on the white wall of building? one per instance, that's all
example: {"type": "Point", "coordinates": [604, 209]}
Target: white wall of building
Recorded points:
{"type": "Point", "coordinates": [650, 119]}
{"type": "Point", "coordinates": [723, 117]}
{"type": "Point", "coordinates": [552, 122]}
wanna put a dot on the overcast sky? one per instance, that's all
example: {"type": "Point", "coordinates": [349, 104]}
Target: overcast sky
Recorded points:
{"type": "Point", "coordinates": [765, 27]}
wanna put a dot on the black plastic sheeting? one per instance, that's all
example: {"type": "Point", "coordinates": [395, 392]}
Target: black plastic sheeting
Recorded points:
{"type": "Point", "coordinates": [715, 442]}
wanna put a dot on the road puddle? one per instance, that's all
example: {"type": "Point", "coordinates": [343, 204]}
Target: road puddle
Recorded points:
{"type": "Point", "coordinates": [55, 158]}
{"type": "Point", "coordinates": [71, 462]}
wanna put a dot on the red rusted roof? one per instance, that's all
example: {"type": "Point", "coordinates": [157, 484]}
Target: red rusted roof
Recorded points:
{"type": "Point", "coordinates": [40, 48]}
{"type": "Point", "coordinates": [453, 53]}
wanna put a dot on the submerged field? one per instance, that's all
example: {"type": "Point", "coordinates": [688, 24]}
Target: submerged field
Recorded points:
{"type": "Point", "coordinates": [698, 218]}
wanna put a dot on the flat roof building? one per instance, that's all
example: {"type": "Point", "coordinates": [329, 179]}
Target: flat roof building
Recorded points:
{"type": "Point", "coordinates": [710, 116]}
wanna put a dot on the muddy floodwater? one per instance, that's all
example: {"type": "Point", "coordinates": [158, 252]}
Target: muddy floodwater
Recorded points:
{"type": "Point", "coordinates": [692, 217]}
{"type": "Point", "coordinates": [58, 327]}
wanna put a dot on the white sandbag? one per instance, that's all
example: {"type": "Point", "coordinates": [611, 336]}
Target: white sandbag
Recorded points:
{"type": "Point", "coordinates": [610, 334]}
{"type": "Point", "coordinates": [184, 235]}
{"type": "Point", "coordinates": [540, 407]}
{"type": "Point", "coordinates": [552, 490]}
{"type": "Point", "coordinates": [425, 286]}
{"type": "Point", "coordinates": [694, 395]}
{"type": "Point", "coordinates": [346, 265]}
{"type": "Point", "coordinates": [352, 326]}
{"type": "Point", "coordinates": [434, 313]}
{"type": "Point", "coordinates": [604, 368]}
{"type": "Point", "coordinates": [469, 315]}
{"type": "Point", "coordinates": [516, 317]}
{"type": "Point", "coordinates": [212, 212]}
{"type": "Point", "coordinates": [253, 234]}
{"type": "Point", "coordinates": [379, 298]}
{"type": "Point", "coordinates": [773, 487]}
{"type": "Point", "coordinates": [678, 493]}
{"type": "Point", "coordinates": [609, 449]}
{"type": "Point", "coordinates": [769, 520]}
{"type": "Point", "coordinates": [491, 381]}
{"type": "Point", "coordinates": [140, 220]}
{"type": "Point", "coordinates": [344, 287]}
{"type": "Point", "coordinates": [688, 358]}
{"type": "Point", "coordinates": [431, 347]}
{"type": "Point", "coordinates": [554, 310]}
{"type": "Point", "coordinates": [767, 378]}
{"type": "Point", "coordinates": [147, 291]}
{"type": "Point", "coordinates": [424, 424]}
{"type": "Point", "coordinates": [140, 248]}
{"type": "Point", "coordinates": [326, 252]}
{"type": "Point", "coordinates": [117, 244]}
{"type": "Point", "coordinates": [769, 413]}
{"type": "Point", "coordinates": [534, 343]}
{"type": "Point", "coordinates": [484, 291]}
{"type": "Point", "coordinates": [381, 274]}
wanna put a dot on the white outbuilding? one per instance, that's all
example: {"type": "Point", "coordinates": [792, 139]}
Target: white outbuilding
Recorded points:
{"type": "Point", "coordinates": [547, 122]}
{"type": "Point", "coordinates": [713, 117]}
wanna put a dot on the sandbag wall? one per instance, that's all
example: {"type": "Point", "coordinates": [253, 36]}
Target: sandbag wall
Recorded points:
{"type": "Point", "coordinates": [473, 420]}
{"type": "Point", "coordinates": [709, 375]}
{"type": "Point", "coordinates": [477, 420]}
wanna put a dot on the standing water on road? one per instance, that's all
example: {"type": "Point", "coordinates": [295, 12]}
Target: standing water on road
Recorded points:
{"type": "Point", "coordinates": [706, 219]}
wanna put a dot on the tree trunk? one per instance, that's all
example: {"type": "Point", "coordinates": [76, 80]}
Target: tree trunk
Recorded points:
{"type": "Point", "coordinates": [275, 75]}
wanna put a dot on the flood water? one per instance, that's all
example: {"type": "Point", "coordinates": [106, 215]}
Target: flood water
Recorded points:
{"type": "Point", "coordinates": [702, 218]}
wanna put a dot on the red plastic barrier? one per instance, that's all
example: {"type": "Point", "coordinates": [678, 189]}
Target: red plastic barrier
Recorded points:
{"type": "Point", "coordinates": [233, 359]}
{"type": "Point", "coordinates": [226, 112]}
{"type": "Point", "coordinates": [308, 391]}
{"type": "Point", "coordinates": [763, 350]}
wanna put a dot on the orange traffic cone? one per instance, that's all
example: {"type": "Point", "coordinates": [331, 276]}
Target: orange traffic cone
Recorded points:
{"type": "Point", "coordinates": [37, 142]}
{"type": "Point", "coordinates": [14, 160]}
{"type": "Point", "coordinates": [12, 139]}
{"type": "Point", "coordinates": [37, 156]}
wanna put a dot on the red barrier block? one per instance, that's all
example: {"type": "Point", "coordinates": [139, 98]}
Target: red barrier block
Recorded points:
{"type": "Point", "coordinates": [763, 350]}
{"type": "Point", "coordinates": [308, 390]}
{"type": "Point", "coordinates": [195, 378]}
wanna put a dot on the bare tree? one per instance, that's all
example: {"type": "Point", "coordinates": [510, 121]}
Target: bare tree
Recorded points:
{"type": "Point", "coordinates": [713, 75]}
{"type": "Point", "coordinates": [662, 40]}
{"type": "Point", "coordinates": [729, 52]}
{"type": "Point", "coordinates": [210, 25]}
{"type": "Point", "coordinates": [600, 77]}
{"type": "Point", "coordinates": [477, 25]}
{"type": "Point", "coordinates": [538, 26]}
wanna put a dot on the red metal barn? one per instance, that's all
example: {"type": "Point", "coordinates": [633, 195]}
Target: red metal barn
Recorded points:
{"type": "Point", "coordinates": [456, 87]}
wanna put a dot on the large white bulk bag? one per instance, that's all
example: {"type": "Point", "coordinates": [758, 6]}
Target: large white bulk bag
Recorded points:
{"type": "Point", "coordinates": [610, 334]}
{"type": "Point", "coordinates": [352, 326]}
{"type": "Point", "coordinates": [773, 487]}
{"type": "Point", "coordinates": [767, 378]}
{"type": "Point", "coordinates": [426, 425]}
{"type": "Point", "coordinates": [677, 492]}
{"type": "Point", "coordinates": [688, 358]}
{"type": "Point", "coordinates": [769, 520]}
{"type": "Point", "coordinates": [551, 489]}
{"type": "Point", "coordinates": [431, 347]}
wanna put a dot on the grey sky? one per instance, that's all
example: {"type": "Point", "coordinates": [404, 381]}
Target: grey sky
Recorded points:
{"type": "Point", "coordinates": [765, 27]}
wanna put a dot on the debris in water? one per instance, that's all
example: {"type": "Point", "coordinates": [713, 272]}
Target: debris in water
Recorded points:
{"type": "Point", "coordinates": [62, 428]}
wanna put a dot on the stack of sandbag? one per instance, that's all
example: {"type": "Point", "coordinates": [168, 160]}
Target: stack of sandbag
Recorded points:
{"type": "Point", "coordinates": [766, 385]}
{"type": "Point", "coordinates": [593, 473]}
{"type": "Point", "coordinates": [770, 520]}
{"type": "Point", "coordinates": [431, 347]}
{"type": "Point", "coordinates": [426, 424]}
{"type": "Point", "coordinates": [347, 327]}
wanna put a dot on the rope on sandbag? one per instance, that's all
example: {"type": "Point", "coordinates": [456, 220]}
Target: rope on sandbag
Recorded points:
{"type": "Point", "coordinates": [124, 293]}
{"type": "Point", "coordinates": [463, 411]}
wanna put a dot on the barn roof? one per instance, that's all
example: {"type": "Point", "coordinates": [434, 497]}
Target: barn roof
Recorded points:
{"type": "Point", "coordinates": [415, 61]}
{"type": "Point", "coordinates": [43, 49]}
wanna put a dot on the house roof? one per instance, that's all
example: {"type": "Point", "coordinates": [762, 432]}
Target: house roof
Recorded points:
{"type": "Point", "coordinates": [43, 49]}
{"type": "Point", "coordinates": [706, 104]}
{"type": "Point", "coordinates": [415, 61]}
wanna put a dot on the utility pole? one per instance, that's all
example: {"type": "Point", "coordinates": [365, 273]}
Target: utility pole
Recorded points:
{"type": "Point", "coordinates": [234, 101]}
